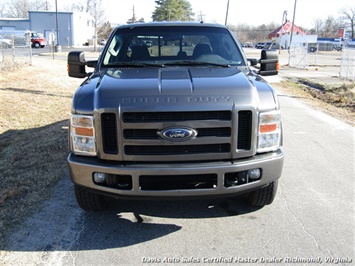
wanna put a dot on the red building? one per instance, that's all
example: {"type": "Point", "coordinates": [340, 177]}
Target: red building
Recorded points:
{"type": "Point", "coordinates": [286, 29]}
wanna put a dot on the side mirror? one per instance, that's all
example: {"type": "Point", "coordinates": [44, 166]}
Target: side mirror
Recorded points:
{"type": "Point", "coordinates": [269, 63]}
{"type": "Point", "coordinates": [253, 61]}
{"type": "Point", "coordinates": [77, 63]}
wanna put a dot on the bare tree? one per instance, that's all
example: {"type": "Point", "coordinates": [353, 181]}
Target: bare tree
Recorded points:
{"type": "Point", "coordinates": [38, 5]}
{"type": "Point", "coordinates": [330, 27]}
{"type": "Point", "coordinates": [248, 33]}
{"type": "Point", "coordinates": [77, 6]}
{"type": "Point", "coordinates": [348, 14]}
{"type": "Point", "coordinates": [104, 31]}
{"type": "Point", "coordinates": [95, 9]}
{"type": "Point", "coordinates": [318, 25]}
{"type": "Point", "coordinates": [2, 10]}
{"type": "Point", "coordinates": [20, 8]}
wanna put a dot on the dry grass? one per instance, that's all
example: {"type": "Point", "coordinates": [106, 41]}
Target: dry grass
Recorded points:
{"type": "Point", "coordinates": [35, 105]}
{"type": "Point", "coordinates": [336, 100]}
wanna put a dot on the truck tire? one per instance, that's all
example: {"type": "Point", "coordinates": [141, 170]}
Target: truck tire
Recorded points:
{"type": "Point", "coordinates": [89, 201]}
{"type": "Point", "coordinates": [36, 45]}
{"type": "Point", "coordinates": [263, 196]}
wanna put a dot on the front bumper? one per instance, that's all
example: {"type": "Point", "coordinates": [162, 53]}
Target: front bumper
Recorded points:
{"type": "Point", "coordinates": [82, 170]}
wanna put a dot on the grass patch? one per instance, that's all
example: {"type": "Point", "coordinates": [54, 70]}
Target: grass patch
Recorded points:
{"type": "Point", "coordinates": [336, 100]}
{"type": "Point", "coordinates": [342, 96]}
{"type": "Point", "coordinates": [35, 105]}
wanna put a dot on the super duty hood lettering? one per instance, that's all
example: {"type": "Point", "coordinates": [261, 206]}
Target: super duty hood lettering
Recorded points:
{"type": "Point", "coordinates": [149, 100]}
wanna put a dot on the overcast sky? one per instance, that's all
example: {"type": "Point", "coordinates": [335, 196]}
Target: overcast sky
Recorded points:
{"type": "Point", "coordinates": [253, 12]}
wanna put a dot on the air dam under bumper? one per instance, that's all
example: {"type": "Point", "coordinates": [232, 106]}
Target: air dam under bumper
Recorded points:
{"type": "Point", "coordinates": [209, 177]}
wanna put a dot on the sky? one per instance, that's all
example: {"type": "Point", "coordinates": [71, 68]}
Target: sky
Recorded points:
{"type": "Point", "coordinates": [252, 12]}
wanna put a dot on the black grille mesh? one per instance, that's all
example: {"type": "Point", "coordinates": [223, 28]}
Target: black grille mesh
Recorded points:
{"type": "Point", "coordinates": [109, 133]}
{"type": "Point", "coordinates": [142, 117]}
{"type": "Point", "coordinates": [176, 149]}
{"type": "Point", "coordinates": [244, 130]}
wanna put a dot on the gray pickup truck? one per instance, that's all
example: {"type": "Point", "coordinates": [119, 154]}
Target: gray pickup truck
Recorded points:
{"type": "Point", "coordinates": [174, 110]}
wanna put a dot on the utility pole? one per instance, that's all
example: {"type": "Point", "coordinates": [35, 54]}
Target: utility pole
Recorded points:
{"type": "Point", "coordinates": [95, 15]}
{"type": "Point", "coordinates": [284, 15]}
{"type": "Point", "coordinates": [201, 15]}
{"type": "Point", "coordinates": [225, 23]}
{"type": "Point", "coordinates": [293, 21]}
{"type": "Point", "coordinates": [58, 48]}
{"type": "Point", "coordinates": [134, 16]}
{"type": "Point", "coordinates": [133, 19]}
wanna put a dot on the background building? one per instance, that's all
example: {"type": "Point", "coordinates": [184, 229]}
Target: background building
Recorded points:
{"type": "Point", "coordinates": [282, 35]}
{"type": "Point", "coordinates": [74, 28]}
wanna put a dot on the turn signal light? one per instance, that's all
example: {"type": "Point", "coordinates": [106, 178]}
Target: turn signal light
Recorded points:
{"type": "Point", "coordinates": [83, 131]}
{"type": "Point", "coordinates": [268, 128]}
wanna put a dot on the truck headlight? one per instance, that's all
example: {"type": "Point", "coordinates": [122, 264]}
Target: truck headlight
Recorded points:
{"type": "Point", "coordinates": [269, 131]}
{"type": "Point", "coordinates": [83, 135]}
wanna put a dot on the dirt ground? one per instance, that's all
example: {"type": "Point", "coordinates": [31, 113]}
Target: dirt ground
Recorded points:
{"type": "Point", "coordinates": [35, 105]}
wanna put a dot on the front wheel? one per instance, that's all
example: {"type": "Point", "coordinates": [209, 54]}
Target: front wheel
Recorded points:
{"type": "Point", "coordinates": [263, 196]}
{"type": "Point", "coordinates": [89, 201]}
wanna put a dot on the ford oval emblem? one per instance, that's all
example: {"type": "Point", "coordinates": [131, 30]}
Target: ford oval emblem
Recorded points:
{"type": "Point", "coordinates": [177, 133]}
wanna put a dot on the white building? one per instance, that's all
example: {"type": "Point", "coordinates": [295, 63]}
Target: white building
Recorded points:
{"type": "Point", "coordinates": [74, 28]}
{"type": "Point", "coordinates": [282, 35]}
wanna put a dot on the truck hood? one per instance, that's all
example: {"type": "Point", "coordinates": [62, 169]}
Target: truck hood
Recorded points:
{"type": "Point", "coordinates": [172, 88]}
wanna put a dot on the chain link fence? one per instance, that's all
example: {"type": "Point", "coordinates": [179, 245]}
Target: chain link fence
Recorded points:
{"type": "Point", "coordinates": [306, 55]}
{"type": "Point", "coordinates": [15, 50]}
{"type": "Point", "coordinates": [298, 56]}
{"type": "Point", "coordinates": [347, 67]}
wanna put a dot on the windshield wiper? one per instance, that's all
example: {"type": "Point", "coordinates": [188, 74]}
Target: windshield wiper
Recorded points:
{"type": "Point", "coordinates": [175, 63]}
{"type": "Point", "coordinates": [132, 64]}
{"type": "Point", "coordinates": [195, 63]}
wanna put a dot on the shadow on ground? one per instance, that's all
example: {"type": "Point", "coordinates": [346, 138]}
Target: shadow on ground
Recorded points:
{"type": "Point", "coordinates": [62, 226]}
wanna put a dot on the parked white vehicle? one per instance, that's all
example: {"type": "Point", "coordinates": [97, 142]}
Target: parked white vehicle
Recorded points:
{"type": "Point", "coordinates": [4, 41]}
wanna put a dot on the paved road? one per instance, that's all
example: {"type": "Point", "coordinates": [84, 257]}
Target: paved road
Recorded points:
{"type": "Point", "coordinates": [311, 219]}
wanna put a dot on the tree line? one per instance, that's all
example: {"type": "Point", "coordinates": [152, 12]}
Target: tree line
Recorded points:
{"type": "Point", "coordinates": [329, 27]}
{"type": "Point", "coordinates": [177, 10]}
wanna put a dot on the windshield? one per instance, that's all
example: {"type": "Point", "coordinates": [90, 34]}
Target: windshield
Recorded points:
{"type": "Point", "coordinates": [170, 45]}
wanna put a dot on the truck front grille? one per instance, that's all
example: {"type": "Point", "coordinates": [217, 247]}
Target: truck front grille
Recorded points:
{"type": "Point", "coordinates": [136, 136]}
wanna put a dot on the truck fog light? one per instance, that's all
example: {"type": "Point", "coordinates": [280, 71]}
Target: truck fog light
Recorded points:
{"type": "Point", "coordinates": [254, 174]}
{"type": "Point", "coordinates": [99, 178]}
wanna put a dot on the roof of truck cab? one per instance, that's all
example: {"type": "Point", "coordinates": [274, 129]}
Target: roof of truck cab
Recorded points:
{"type": "Point", "coordinates": [173, 23]}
